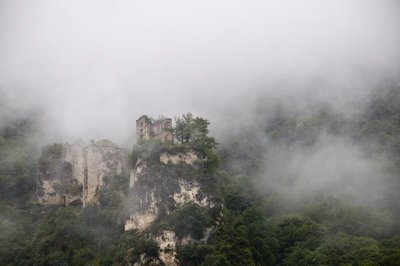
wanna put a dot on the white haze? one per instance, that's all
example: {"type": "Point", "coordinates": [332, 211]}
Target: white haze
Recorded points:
{"type": "Point", "coordinates": [91, 68]}
{"type": "Point", "coordinates": [95, 66]}
{"type": "Point", "coordinates": [334, 167]}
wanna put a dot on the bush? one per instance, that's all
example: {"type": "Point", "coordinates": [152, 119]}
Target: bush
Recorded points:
{"type": "Point", "coordinates": [190, 220]}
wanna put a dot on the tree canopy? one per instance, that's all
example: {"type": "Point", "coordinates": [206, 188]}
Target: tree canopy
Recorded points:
{"type": "Point", "coordinates": [193, 131]}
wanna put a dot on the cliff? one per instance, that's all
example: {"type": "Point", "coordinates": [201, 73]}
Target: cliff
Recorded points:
{"type": "Point", "coordinates": [73, 174]}
{"type": "Point", "coordinates": [160, 129]}
{"type": "Point", "coordinates": [171, 199]}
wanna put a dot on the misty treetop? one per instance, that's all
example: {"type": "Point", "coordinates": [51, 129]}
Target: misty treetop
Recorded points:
{"type": "Point", "coordinates": [194, 131]}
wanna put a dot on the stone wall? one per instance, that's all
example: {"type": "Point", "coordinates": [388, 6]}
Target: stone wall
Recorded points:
{"type": "Point", "coordinates": [160, 129]}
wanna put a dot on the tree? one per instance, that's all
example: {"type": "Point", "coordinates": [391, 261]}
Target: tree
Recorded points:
{"type": "Point", "coordinates": [193, 131]}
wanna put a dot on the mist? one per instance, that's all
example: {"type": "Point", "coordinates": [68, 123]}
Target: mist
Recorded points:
{"type": "Point", "coordinates": [334, 167]}
{"type": "Point", "coordinates": [93, 68]}
{"type": "Point", "coordinates": [89, 70]}
{"type": "Point", "coordinates": [307, 163]}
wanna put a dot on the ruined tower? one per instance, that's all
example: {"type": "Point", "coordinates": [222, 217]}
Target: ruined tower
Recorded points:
{"type": "Point", "coordinates": [161, 129]}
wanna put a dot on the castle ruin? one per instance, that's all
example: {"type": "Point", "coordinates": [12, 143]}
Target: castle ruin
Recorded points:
{"type": "Point", "coordinates": [160, 129]}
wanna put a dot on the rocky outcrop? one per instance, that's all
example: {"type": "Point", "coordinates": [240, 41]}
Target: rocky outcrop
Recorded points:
{"type": "Point", "coordinates": [167, 241]}
{"type": "Point", "coordinates": [162, 184]}
{"type": "Point", "coordinates": [73, 174]}
{"type": "Point", "coordinates": [163, 187]}
{"type": "Point", "coordinates": [172, 199]}
{"type": "Point", "coordinates": [148, 261]}
{"type": "Point", "coordinates": [189, 157]}
{"type": "Point", "coordinates": [160, 129]}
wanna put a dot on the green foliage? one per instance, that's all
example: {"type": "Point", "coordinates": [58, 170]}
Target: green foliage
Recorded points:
{"type": "Point", "coordinates": [213, 161]}
{"type": "Point", "coordinates": [132, 245]}
{"type": "Point", "coordinates": [342, 249]}
{"type": "Point", "coordinates": [82, 256]}
{"type": "Point", "coordinates": [17, 164]}
{"type": "Point", "coordinates": [294, 230]}
{"type": "Point", "coordinates": [50, 161]}
{"type": "Point", "coordinates": [193, 131]}
{"type": "Point", "coordinates": [302, 256]}
{"type": "Point", "coordinates": [117, 182]}
{"type": "Point", "coordinates": [194, 254]}
{"type": "Point", "coordinates": [380, 123]}
{"type": "Point", "coordinates": [52, 152]}
{"type": "Point", "coordinates": [216, 259]}
{"type": "Point", "coordinates": [289, 128]}
{"type": "Point", "coordinates": [339, 217]}
{"type": "Point", "coordinates": [390, 256]}
{"type": "Point", "coordinates": [190, 220]}
{"type": "Point", "coordinates": [18, 129]}
{"type": "Point", "coordinates": [239, 194]}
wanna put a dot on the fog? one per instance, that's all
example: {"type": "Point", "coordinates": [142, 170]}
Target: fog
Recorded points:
{"type": "Point", "coordinates": [89, 69]}
{"type": "Point", "coordinates": [334, 167]}
{"type": "Point", "coordinates": [93, 67]}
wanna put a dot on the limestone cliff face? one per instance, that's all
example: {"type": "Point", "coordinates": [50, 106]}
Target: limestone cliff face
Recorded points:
{"type": "Point", "coordinates": [161, 187]}
{"type": "Point", "coordinates": [72, 174]}
{"type": "Point", "coordinates": [160, 129]}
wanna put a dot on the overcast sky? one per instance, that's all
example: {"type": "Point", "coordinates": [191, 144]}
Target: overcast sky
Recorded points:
{"type": "Point", "coordinates": [95, 66]}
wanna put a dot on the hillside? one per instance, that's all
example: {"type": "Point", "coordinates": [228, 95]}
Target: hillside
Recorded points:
{"type": "Point", "coordinates": [311, 188]}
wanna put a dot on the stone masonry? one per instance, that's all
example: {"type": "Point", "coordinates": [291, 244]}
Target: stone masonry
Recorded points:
{"type": "Point", "coordinates": [160, 129]}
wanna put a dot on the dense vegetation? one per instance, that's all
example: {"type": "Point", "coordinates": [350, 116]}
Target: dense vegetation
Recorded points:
{"type": "Point", "coordinates": [321, 229]}
{"type": "Point", "coordinates": [256, 229]}
{"type": "Point", "coordinates": [193, 131]}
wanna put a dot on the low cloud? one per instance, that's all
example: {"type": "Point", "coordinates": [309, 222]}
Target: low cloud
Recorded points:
{"type": "Point", "coordinates": [94, 67]}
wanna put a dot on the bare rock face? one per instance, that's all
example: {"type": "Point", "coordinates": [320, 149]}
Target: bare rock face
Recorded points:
{"type": "Point", "coordinates": [160, 186]}
{"type": "Point", "coordinates": [189, 157]}
{"type": "Point", "coordinates": [167, 241]}
{"type": "Point", "coordinates": [163, 187]}
{"type": "Point", "coordinates": [148, 261]}
{"type": "Point", "coordinates": [103, 159]}
{"type": "Point", "coordinates": [56, 183]}
{"type": "Point", "coordinates": [73, 174]}
{"type": "Point", "coordinates": [160, 129]}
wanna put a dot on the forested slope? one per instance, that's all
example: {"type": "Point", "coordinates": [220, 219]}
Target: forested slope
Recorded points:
{"type": "Point", "coordinates": [281, 206]}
